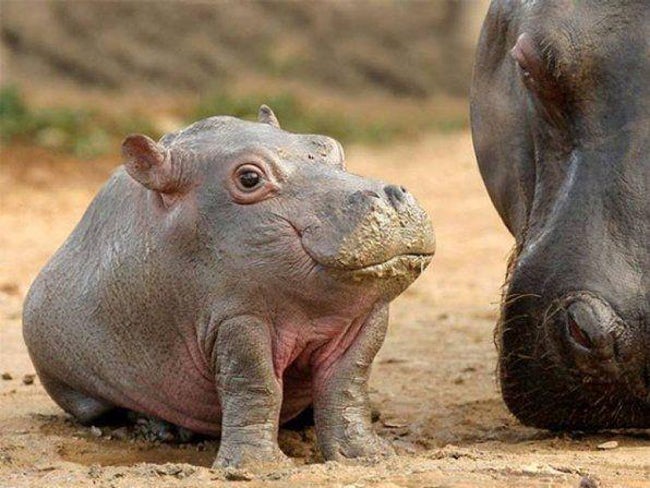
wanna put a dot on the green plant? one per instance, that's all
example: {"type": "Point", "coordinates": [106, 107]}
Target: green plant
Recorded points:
{"type": "Point", "coordinates": [84, 133]}
{"type": "Point", "coordinates": [295, 116]}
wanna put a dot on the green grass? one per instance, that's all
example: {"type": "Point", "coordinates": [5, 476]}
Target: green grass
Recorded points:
{"type": "Point", "coordinates": [84, 133]}
{"type": "Point", "coordinates": [296, 117]}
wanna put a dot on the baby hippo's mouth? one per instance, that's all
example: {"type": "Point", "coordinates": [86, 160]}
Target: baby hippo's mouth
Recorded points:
{"type": "Point", "coordinates": [403, 267]}
{"type": "Point", "coordinates": [403, 264]}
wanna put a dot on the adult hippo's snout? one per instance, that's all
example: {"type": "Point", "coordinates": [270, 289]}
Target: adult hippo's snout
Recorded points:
{"type": "Point", "coordinates": [573, 361]}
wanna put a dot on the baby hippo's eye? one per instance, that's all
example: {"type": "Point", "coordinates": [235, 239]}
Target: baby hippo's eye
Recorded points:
{"type": "Point", "coordinates": [251, 183]}
{"type": "Point", "coordinates": [249, 177]}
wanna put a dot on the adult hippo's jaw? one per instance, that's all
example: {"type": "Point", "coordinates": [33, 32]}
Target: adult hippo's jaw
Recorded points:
{"type": "Point", "coordinates": [572, 362]}
{"type": "Point", "coordinates": [561, 128]}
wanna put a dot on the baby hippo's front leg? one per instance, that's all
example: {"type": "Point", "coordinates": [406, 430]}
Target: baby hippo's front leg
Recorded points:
{"type": "Point", "coordinates": [250, 395]}
{"type": "Point", "coordinates": [341, 404]}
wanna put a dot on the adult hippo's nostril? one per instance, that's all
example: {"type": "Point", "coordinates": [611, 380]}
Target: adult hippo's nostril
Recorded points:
{"type": "Point", "coordinates": [586, 329]}
{"type": "Point", "coordinates": [589, 333]}
{"type": "Point", "coordinates": [577, 333]}
{"type": "Point", "coordinates": [396, 195]}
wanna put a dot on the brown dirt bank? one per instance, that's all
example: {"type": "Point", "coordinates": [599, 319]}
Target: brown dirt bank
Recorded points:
{"type": "Point", "coordinates": [410, 49]}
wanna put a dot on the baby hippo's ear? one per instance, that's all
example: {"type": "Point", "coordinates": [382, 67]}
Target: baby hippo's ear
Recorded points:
{"type": "Point", "coordinates": [149, 163]}
{"type": "Point", "coordinates": [266, 116]}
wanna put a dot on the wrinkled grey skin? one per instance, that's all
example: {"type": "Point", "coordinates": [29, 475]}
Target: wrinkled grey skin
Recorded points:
{"type": "Point", "coordinates": [180, 295]}
{"type": "Point", "coordinates": [561, 124]}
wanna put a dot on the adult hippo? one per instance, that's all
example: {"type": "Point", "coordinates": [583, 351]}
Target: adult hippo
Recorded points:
{"type": "Point", "coordinates": [560, 108]}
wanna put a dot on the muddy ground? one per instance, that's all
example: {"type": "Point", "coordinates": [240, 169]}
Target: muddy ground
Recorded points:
{"type": "Point", "coordinates": [433, 382]}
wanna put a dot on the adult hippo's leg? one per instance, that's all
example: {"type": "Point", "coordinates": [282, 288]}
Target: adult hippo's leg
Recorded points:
{"type": "Point", "coordinates": [250, 394]}
{"type": "Point", "coordinates": [341, 404]}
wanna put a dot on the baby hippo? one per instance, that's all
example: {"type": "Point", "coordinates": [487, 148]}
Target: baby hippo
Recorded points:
{"type": "Point", "coordinates": [225, 279]}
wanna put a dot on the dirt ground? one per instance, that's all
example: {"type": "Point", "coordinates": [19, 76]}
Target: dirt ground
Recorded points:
{"type": "Point", "coordinates": [433, 382]}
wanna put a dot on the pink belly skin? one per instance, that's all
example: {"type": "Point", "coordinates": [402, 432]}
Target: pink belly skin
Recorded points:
{"type": "Point", "coordinates": [187, 395]}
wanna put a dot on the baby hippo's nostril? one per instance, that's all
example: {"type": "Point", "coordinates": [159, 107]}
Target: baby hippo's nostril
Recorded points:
{"type": "Point", "coordinates": [396, 195]}
{"type": "Point", "coordinates": [361, 196]}
{"type": "Point", "coordinates": [370, 193]}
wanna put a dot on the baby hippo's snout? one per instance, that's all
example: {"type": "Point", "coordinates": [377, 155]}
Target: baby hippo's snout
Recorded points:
{"type": "Point", "coordinates": [378, 232]}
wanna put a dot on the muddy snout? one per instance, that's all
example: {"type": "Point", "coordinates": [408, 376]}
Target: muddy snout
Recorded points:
{"type": "Point", "coordinates": [372, 229]}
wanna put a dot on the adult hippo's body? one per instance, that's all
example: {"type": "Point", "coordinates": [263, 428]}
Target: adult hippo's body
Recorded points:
{"type": "Point", "coordinates": [561, 126]}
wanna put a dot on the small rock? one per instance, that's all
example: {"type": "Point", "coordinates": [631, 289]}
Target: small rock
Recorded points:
{"type": "Point", "coordinates": [7, 376]}
{"type": "Point", "coordinates": [394, 424]}
{"type": "Point", "coordinates": [608, 445]}
{"type": "Point", "coordinates": [95, 471]}
{"type": "Point", "coordinates": [179, 471]}
{"type": "Point", "coordinates": [95, 431]}
{"type": "Point", "coordinates": [10, 288]}
{"type": "Point", "coordinates": [375, 414]}
{"type": "Point", "coordinates": [28, 379]}
{"type": "Point", "coordinates": [121, 433]}
{"type": "Point", "coordinates": [587, 482]}
{"type": "Point", "coordinates": [233, 474]}
{"type": "Point", "coordinates": [537, 469]}
{"type": "Point", "coordinates": [392, 361]}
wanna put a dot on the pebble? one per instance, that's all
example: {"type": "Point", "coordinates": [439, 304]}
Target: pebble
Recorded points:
{"type": "Point", "coordinates": [587, 482]}
{"type": "Point", "coordinates": [94, 471]}
{"type": "Point", "coordinates": [7, 376]}
{"type": "Point", "coordinates": [233, 474]}
{"type": "Point", "coordinates": [608, 445]}
{"type": "Point", "coordinates": [95, 431]}
{"type": "Point", "coordinates": [121, 433]}
{"type": "Point", "coordinates": [28, 379]}
{"type": "Point", "coordinates": [394, 424]}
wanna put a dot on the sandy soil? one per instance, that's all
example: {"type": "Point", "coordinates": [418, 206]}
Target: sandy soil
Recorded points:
{"type": "Point", "coordinates": [433, 382]}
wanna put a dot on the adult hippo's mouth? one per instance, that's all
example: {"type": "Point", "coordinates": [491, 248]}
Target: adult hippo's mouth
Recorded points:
{"type": "Point", "coordinates": [572, 362]}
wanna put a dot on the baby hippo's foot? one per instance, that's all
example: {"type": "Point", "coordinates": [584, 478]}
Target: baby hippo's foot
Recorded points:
{"type": "Point", "coordinates": [252, 458]}
{"type": "Point", "coordinates": [346, 448]}
{"type": "Point", "coordinates": [154, 429]}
